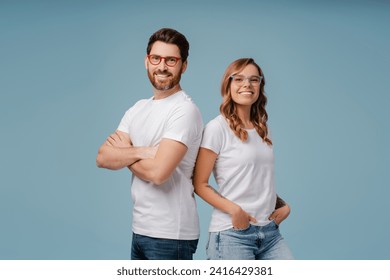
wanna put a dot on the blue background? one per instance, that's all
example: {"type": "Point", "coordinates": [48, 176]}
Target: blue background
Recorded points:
{"type": "Point", "coordinates": [70, 69]}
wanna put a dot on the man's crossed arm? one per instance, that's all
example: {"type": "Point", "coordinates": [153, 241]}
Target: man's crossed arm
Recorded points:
{"type": "Point", "coordinates": [154, 164]}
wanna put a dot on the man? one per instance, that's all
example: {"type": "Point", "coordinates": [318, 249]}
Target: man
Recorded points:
{"type": "Point", "coordinates": [158, 140]}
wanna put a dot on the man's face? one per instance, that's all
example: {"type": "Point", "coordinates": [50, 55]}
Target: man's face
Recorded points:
{"type": "Point", "coordinates": [161, 76]}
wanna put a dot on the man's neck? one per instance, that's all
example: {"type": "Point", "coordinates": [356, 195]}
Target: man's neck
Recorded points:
{"type": "Point", "coordinates": [161, 94]}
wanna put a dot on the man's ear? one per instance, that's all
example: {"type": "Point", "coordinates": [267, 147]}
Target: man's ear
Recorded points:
{"type": "Point", "coordinates": [184, 67]}
{"type": "Point", "coordinates": [146, 61]}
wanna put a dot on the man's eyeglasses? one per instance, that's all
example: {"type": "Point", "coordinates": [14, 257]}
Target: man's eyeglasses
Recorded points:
{"type": "Point", "coordinates": [169, 60]}
{"type": "Point", "coordinates": [240, 79]}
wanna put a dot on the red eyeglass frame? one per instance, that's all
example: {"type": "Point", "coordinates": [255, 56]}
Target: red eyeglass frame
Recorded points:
{"type": "Point", "coordinates": [163, 57]}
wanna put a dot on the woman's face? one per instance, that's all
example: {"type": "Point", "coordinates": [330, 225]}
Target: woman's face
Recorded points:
{"type": "Point", "coordinates": [245, 86]}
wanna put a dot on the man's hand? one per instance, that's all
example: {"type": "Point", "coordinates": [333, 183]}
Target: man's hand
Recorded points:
{"type": "Point", "coordinates": [117, 140]}
{"type": "Point", "coordinates": [118, 152]}
{"type": "Point", "coordinates": [160, 161]}
{"type": "Point", "coordinates": [148, 152]}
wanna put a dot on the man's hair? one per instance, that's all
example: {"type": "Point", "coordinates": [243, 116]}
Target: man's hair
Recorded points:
{"type": "Point", "coordinates": [170, 36]}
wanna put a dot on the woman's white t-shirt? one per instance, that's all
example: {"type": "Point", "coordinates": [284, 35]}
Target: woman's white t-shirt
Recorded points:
{"type": "Point", "coordinates": [244, 172]}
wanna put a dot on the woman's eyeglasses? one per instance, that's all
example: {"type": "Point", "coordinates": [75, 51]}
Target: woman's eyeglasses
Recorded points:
{"type": "Point", "coordinates": [240, 79]}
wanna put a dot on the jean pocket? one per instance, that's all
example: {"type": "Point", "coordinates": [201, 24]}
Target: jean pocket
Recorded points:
{"type": "Point", "coordinates": [274, 224]}
{"type": "Point", "coordinates": [241, 229]}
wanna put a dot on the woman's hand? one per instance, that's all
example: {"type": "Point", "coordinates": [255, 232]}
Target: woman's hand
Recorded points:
{"type": "Point", "coordinates": [280, 214]}
{"type": "Point", "coordinates": [241, 219]}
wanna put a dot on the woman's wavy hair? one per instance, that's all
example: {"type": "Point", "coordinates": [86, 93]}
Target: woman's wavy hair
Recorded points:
{"type": "Point", "coordinates": [258, 115]}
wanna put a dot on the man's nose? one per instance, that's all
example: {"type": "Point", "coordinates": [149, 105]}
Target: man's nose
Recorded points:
{"type": "Point", "coordinates": [162, 65]}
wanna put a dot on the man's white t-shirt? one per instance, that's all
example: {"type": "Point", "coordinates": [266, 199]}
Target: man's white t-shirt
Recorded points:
{"type": "Point", "coordinates": [244, 172]}
{"type": "Point", "coordinates": [167, 210]}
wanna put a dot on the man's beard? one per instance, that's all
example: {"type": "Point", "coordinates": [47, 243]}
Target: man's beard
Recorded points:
{"type": "Point", "coordinates": [167, 84]}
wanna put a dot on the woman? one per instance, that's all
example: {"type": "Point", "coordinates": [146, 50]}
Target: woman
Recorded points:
{"type": "Point", "coordinates": [236, 145]}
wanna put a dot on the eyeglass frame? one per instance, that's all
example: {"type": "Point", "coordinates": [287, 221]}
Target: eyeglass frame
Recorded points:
{"type": "Point", "coordinates": [247, 78]}
{"type": "Point", "coordinates": [165, 59]}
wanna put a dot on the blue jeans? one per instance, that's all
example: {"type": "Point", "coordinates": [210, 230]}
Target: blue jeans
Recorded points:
{"type": "Point", "coordinates": [150, 248]}
{"type": "Point", "coordinates": [253, 243]}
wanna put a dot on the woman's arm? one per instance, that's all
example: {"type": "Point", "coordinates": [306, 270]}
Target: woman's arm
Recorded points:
{"type": "Point", "coordinates": [203, 168]}
{"type": "Point", "coordinates": [282, 211]}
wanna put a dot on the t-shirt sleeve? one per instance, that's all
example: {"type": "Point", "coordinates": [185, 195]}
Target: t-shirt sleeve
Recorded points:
{"type": "Point", "coordinates": [212, 137]}
{"type": "Point", "coordinates": [124, 124]}
{"type": "Point", "coordinates": [127, 118]}
{"type": "Point", "coordinates": [185, 124]}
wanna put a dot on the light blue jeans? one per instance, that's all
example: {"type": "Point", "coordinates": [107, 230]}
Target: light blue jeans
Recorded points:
{"type": "Point", "coordinates": [253, 243]}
